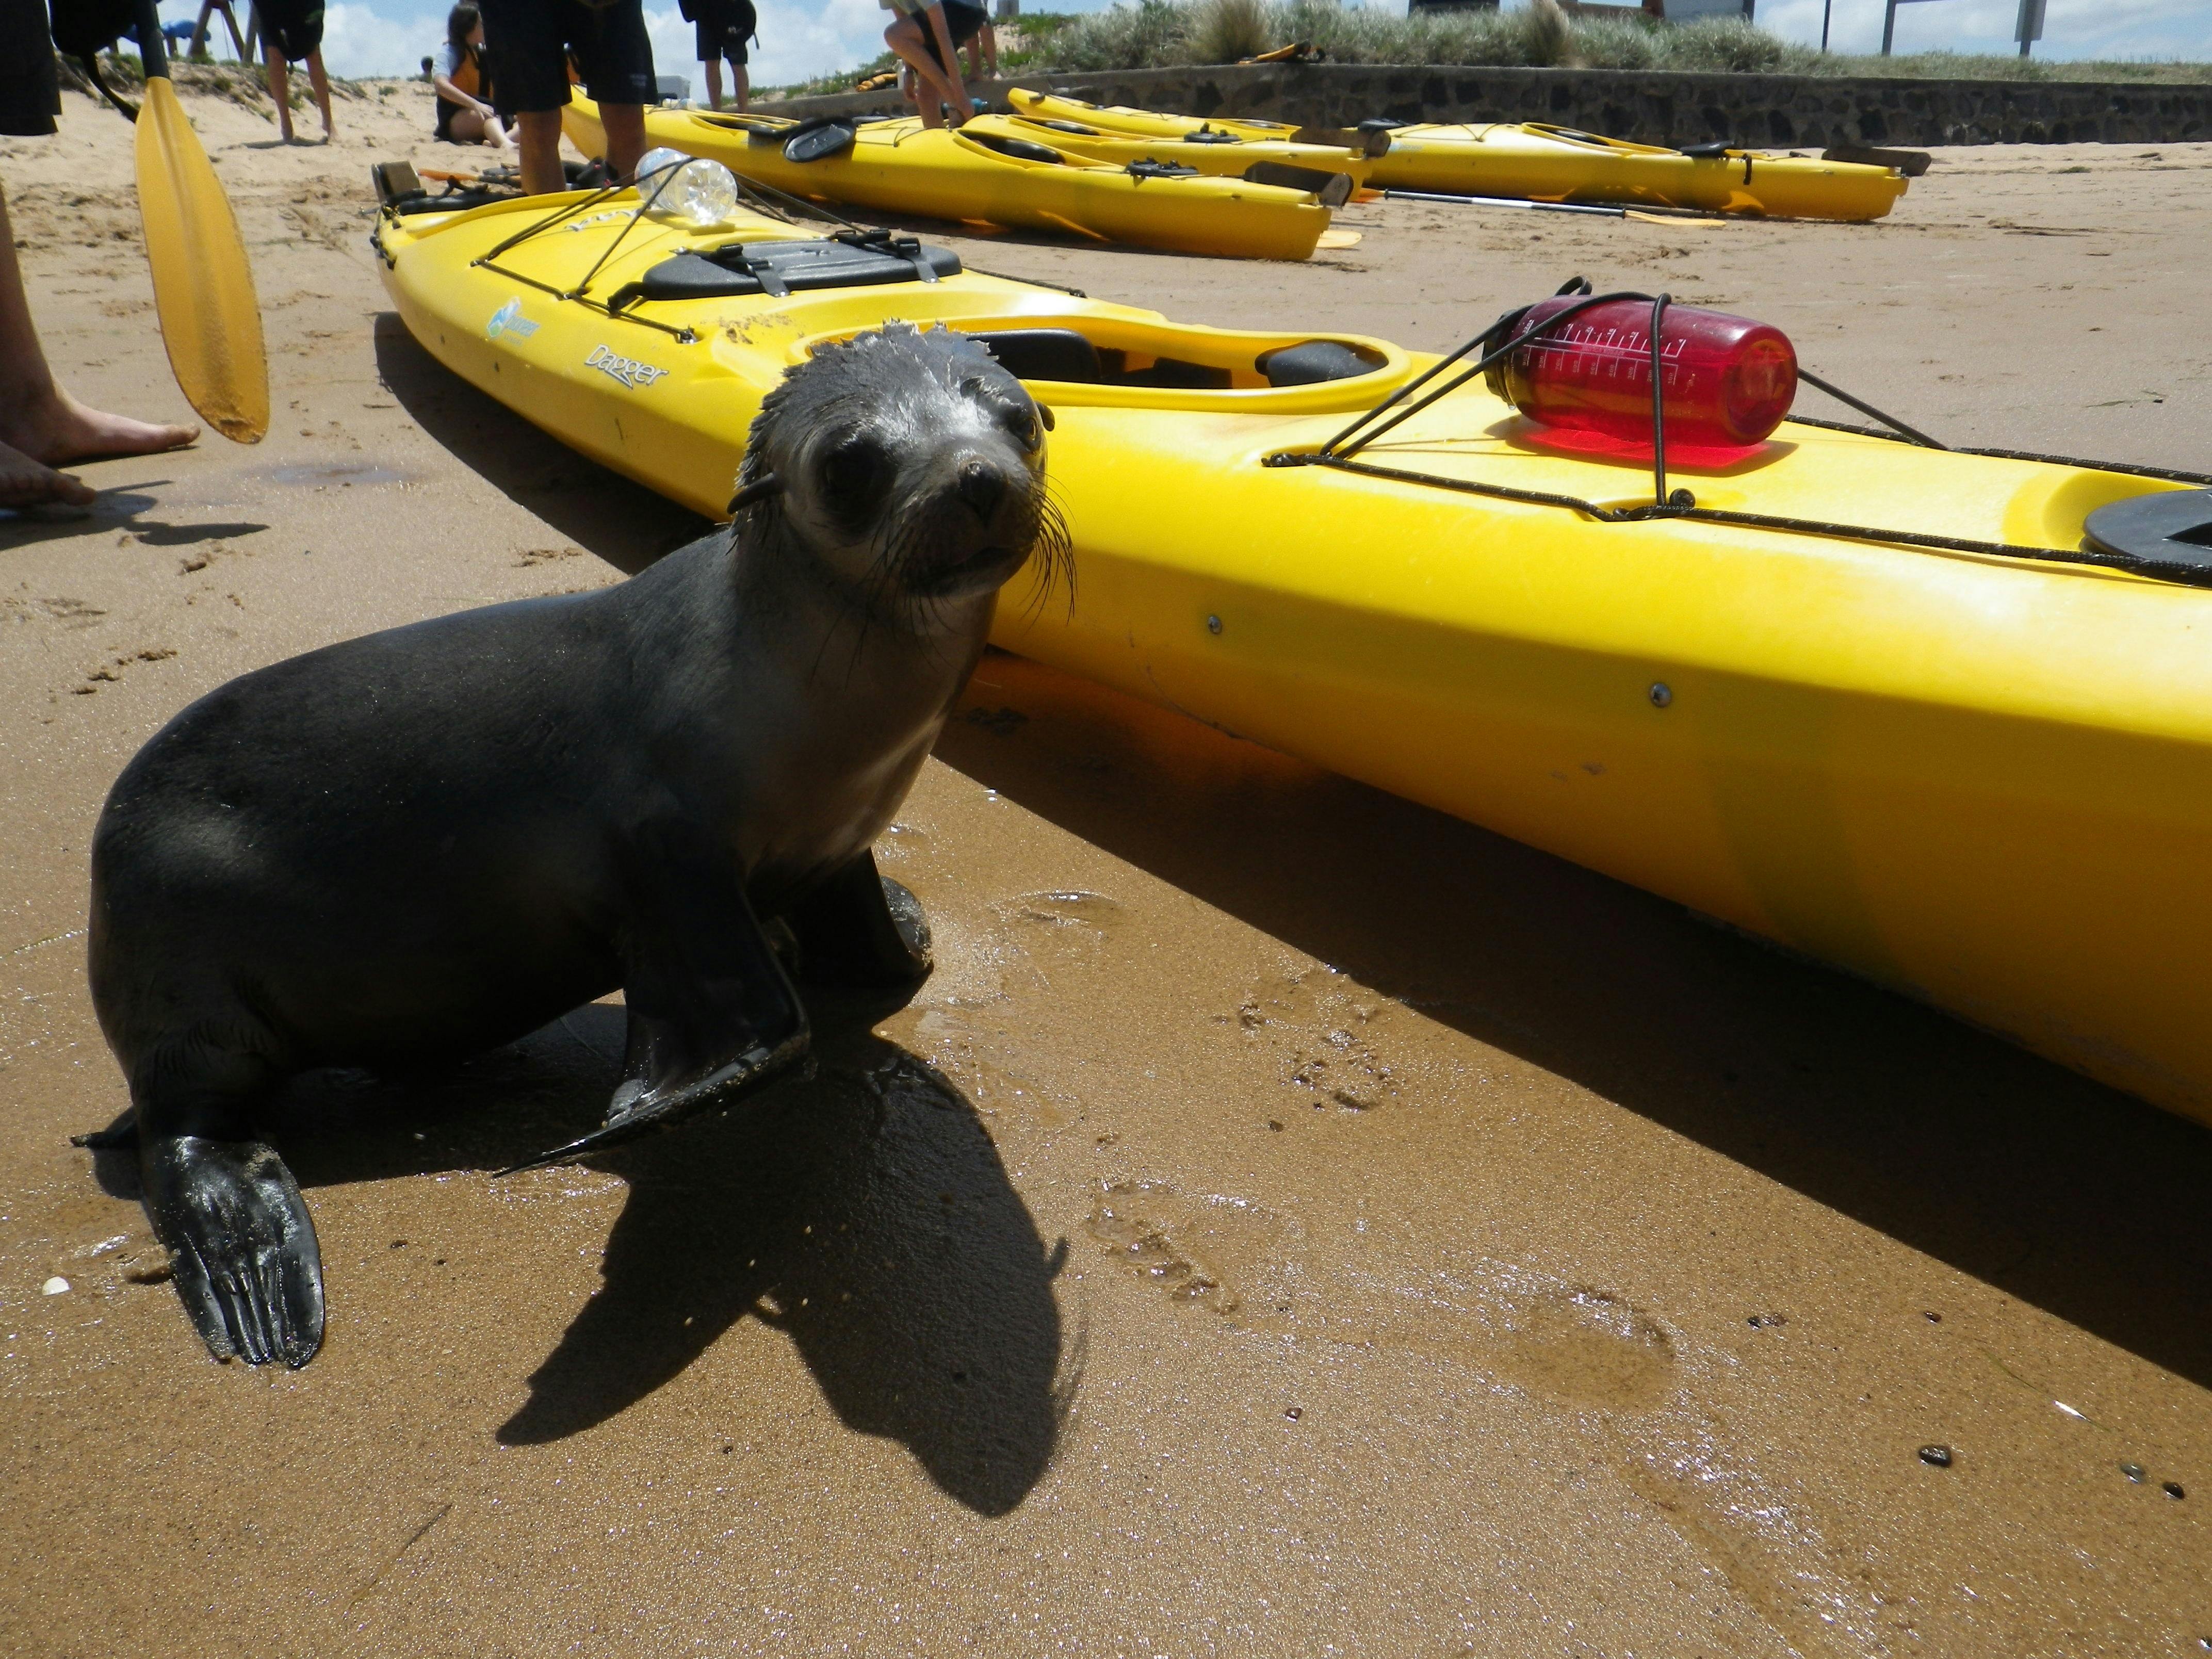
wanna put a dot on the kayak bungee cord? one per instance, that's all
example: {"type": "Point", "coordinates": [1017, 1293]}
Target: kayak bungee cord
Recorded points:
{"type": "Point", "coordinates": [1341, 452]}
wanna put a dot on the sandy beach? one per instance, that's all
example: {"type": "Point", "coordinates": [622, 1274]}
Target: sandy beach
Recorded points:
{"type": "Point", "coordinates": [1289, 1222]}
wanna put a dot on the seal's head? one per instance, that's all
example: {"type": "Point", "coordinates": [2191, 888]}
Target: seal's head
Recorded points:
{"type": "Point", "coordinates": [910, 467]}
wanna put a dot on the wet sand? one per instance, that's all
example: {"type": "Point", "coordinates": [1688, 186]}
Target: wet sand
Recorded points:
{"type": "Point", "coordinates": [1289, 1222]}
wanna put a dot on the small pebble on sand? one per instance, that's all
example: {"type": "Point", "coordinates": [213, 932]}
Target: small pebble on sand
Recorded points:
{"type": "Point", "coordinates": [55, 1286]}
{"type": "Point", "coordinates": [1936, 1457]}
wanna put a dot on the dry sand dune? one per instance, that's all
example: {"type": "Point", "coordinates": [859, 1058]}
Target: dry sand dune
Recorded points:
{"type": "Point", "coordinates": [1290, 1222]}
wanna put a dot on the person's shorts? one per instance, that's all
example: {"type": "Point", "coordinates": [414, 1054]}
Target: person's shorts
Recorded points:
{"type": "Point", "coordinates": [30, 88]}
{"type": "Point", "coordinates": [532, 40]}
{"type": "Point", "coordinates": [294, 27]}
{"type": "Point", "coordinates": [963, 21]}
{"type": "Point", "coordinates": [722, 31]}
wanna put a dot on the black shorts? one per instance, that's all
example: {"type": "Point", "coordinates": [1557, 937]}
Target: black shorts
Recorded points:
{"type": "Point", "coordinates": [723, 30]}
{"type": "Point", "coordinates": [30, 89]}
{"type": "Point", "coordinates": [532, 40]}
{"type": "Point", "coordinates": [294, 27]}
{"type": "Point", "coordinates": [963, 21]}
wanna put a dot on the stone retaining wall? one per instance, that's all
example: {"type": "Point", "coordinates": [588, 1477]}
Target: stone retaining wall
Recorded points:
{"type": "Point", "coordinates": [1653, 107]}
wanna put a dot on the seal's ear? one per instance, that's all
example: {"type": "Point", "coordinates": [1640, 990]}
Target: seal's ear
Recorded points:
{"type": "Point", "coordinates": [1044, 415]}
{"type": "Point", "coordinates": [759, 490]}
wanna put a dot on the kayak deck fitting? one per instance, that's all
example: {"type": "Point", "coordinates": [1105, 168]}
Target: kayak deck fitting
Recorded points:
{"type": "Point", "coordinates": [1982, 779]}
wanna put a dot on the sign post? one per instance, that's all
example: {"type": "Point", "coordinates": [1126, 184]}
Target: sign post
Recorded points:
{"type": "Point", "coordinates": [1889, 19]}
{"type": "Point", "coordinates": [2029, 28]}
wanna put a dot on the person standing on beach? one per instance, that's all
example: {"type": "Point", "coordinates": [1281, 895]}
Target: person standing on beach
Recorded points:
{"type": "Point", "coordinates": [41, 427]}
{"type": "Point", "coordinates": [923, 41]}
{"type": "Point", "coordinates": [292, 30]}
{"type": "Point", "coordinates": [531, 41]}
{"type": "Point", "coordinates": [463, 79]}
{"type": "Point", "coordinates": [723, 27]}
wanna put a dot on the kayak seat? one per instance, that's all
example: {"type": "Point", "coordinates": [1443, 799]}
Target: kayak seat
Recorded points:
{"type": "Point", "coordinates": [1020, 149]}
{"type": "Point", "coordinates": [454, 201]}
{"type": "Point", "coordinates": [1317, 360]}
{"type": "Point", "coordinates": [1332, 189]}
{"type": "Point", "coordinates": [1061, 354]}
{"type": "Point", "coordinates": [851, 259]}
{"type": "Point", "coordinates": [1044, 354]}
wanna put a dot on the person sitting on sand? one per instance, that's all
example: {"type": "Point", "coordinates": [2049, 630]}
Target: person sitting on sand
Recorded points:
{"type": "Point", "coordinates": [531, 41]}
{"type": "Point", "coordinates": [723, 27]}
{"type": "Point", "coordinates": [41, 426]}
{"type": "Point", "coordinates": [463, 79]}
{"type": "Point", "coordinates": [922, 37]}
{"type": "Point", "coordinates": [292, 31]}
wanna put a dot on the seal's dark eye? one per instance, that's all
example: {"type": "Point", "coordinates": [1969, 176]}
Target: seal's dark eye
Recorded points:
{"type": "Point", "coordinates": [855, 474]}
{"type": "Point", "coordinates": [1020, 421]}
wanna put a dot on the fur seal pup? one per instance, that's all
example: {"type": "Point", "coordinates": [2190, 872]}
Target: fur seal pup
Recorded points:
{"type": "Point", "coordinates": [428, 841]}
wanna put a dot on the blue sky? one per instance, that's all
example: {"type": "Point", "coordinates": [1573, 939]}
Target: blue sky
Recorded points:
{"type": "Point", "coordinates": [800, 38]}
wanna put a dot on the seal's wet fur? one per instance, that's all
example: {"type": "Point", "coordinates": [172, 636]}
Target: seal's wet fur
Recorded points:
{"type": "Point", "coordinates": [430, 840]}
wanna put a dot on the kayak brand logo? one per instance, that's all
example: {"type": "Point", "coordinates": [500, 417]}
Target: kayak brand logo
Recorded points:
{"type": "Point", "coordinates": [509, 320]}
{"type": "Point", "coordinates": [600, 218]}
{"type": "Point", "coordinates": [631, 372]}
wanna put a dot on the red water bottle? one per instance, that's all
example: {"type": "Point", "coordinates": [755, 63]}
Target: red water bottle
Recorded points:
{"type": "Point", "coordinates": [1725, 382]}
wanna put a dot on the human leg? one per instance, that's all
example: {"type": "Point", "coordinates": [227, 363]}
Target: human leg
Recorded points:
{"type": "Point", "coordinates": [625, 130]}
{"type": "Point", "coordinates": [531, 87]}
{"type": "Point", "coordinates": [537, 135]}
{"type": "Point", "coordinates": [933, 86]}
{"type": "Point", "coordinates": [41, 426]}
{"type": "Point", "coordinates": [280, 88]}
{"type": "Point", "coordinates": [615, 55]}
{"type": "Point", "coordinates": [713, 68]}
{"type": "Point", "coordinates": [321, 84]}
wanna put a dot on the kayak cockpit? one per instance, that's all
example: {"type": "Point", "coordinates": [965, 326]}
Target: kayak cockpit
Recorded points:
{"type": "Point", "coordinates": [1138, 360]}
{"type": "Point", "coordinates": [1068, 357]}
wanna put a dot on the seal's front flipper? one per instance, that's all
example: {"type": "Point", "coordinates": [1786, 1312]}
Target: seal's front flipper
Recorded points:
{"type": "Point", "coordinates": [712, 1017]}
{"type": "Point", "coordinates": [861, 928]}
{"type": "Point", "coordinates": [243, 1248]}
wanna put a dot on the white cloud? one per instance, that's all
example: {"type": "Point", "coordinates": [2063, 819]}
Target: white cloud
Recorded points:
{"type": "Point", "coordinates": [2071, 28]}
{"type": "Point", "coordinates": [796, 40]}
{"type": "Point", "coordinates": [360, 41]}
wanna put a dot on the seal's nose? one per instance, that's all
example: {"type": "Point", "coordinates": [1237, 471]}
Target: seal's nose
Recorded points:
{"type": "Point", "coordinates": [982, 486]}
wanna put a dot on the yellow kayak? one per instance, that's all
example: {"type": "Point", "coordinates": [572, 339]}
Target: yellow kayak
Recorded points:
{"type": "Point", "coordinates": [1543, 163]}
{"type": "Point", "coordinates": [902, 166]}
{"type": "Point", "coordinates": [1977, 773]}
{"type": "Point", "coordinates": [1220, 154]}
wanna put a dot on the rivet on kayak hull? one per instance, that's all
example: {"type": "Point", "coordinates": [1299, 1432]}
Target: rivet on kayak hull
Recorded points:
{"type": "Point", "coordinates": [1662, 694]}
{"type": "Point", "coordinates": [1213, 624]}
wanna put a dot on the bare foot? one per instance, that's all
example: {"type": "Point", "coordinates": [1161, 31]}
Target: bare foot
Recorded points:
{"type": "Point", "coordinates": [26, 483]}
{"type": "Point", "coordinates": [57, 429]}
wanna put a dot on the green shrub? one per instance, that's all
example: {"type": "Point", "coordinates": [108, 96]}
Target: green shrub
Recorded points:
{"type": "Point", "coordinates": [1226, 31]}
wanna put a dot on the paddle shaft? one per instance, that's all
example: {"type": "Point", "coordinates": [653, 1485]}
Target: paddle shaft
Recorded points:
{"type": "Point", "coordinates": [1501, 202]}
{"type": "Point", "coordinates": [153, 55]}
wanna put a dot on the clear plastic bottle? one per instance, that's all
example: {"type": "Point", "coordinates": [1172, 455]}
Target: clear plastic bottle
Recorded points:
{"type": "Point", "coordinates": [1726, 382]}
{"type": "Point", "coordinates": [693, 193]}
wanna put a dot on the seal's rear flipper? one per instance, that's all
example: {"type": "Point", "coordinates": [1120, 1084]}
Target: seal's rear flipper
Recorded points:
{"type": "Point", "coordinates": [861, 928]}
{"type": "Point", "coordinates": [712, 1018]}
{"type": "Point", "coordinates": [242, 1244]}
{"type": "Point", "coordinates": [120, 1136]}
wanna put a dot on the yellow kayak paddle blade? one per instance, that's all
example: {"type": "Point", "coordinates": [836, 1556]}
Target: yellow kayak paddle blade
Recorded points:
{"type": "Point", "coordinates": [202, 285]}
